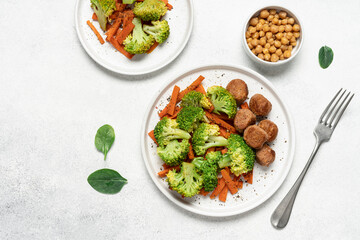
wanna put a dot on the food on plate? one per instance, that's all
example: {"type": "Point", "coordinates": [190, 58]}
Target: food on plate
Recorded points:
{"type": "Point", "coordinates": [131, 28]}
{"type": "Point", "coordinates": [199, 140]}
{"type": "Point", "coordinates": [238, 89]}
{"type": "Point", "coordinates": [259, 105]}
{"type": "Point", "coordinates": [265, 156]}
{"type": "Point", "coordinates": [222, 100]}
{"type": "Point", "coordinates": [272, 35]}
{"type": "Point", "coordinates": [243, 119]}
{"type": "Point", "coordinates": [255, 136]}
{"type": "Point", "coordinates": [270, 128]}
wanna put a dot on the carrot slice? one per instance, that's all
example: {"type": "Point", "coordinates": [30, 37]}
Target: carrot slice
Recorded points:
{"type": "Point", "coordinates": [152, 136]}
{"type": "Point", "coordinates": [127, 29]}
{"type": "Point", "coordinates": [229, 182]}
{"type": "Point", "coordinates": [120, 48]}
{"type": "Point", "coordinates": [165, 171]}
{"type": "Point", "coordinates": [101, 40]}
{"type": "Point", "coordinates": [94, 17]}
{"type": "Point", "coordinates": [219, 187]}
{"type": "Point", "coordinates": [248, 177]}
{"type": "Point", "coordinates": [220, 122]}
{"type": "Point", "coordinates": [224, 133]}
{"type": "Point", "coordinates": [190, 88]}
{"type": "Point", "coordinates": [223, 194]}
{"type": "Point", "coordinates": [173, 99]}
{"type": "Point", "coordinates": [201, 89]}
{"type": "Point", "coordinates": [152, 47]}
{"type": "Point", "coordinates": [244, 105]}
{"type": "Point", "coordinates": [203, 192]}
{"type": "Point", "coordinates": [112, 30]}
{"type": "Point", "coordinates": [191, 153]}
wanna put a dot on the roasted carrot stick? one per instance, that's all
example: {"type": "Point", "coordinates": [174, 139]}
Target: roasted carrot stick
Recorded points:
{"type": "Point", "coordinates": [219, 187]}
{"type": "Point", "coordinates": [212, 149]}
{"type": "Point", "coordinates": [191, 153]}
{"type": "Point", "coordinates": [125, 32]}
{"type": "Point", "coordinates": [224, 151]}
{"type": "Point", "coordinates": [203, 192]}
{"type": "Point", "coordinates": [190, 88]}
{"type": "Point", "coordinates": [248, 177]}
{"type": "Point", "coordinates": [94, 17]}
{"type": "Point", "coordinates": [229, 182]}
{"type": "Point", "coordinates": [211, 109]}
{"type": "Point", "coordinates": [224, 132]}
{"type": "Point", "coordinates": [152, 136]}
{"type": "Point", "coordinates": [120, 48]}
{"type": "Point", "coordinates": [215, 119]}
{"type": "Point", "coordinates": [239, 184]}
{"type": "Point", "coordinates": [224, 117]}
{"type": "Point", "coordinates": [111, 31]}
{"type": "Point", "coordinates": [173, 99]}
{"type": "Point", "coordinates": [201, 89]}
{"type": "Point", "coordinates": [169, 6]}
{"type": "Point", "coordinates": [223, 194]}
{"type": "Point", "coordinates": [165, 171]}
{"type": "Point", "coordinates": [177, 110]}
{"type": "Point", "coordinates": [153, 47]}
{"type": "Point", "coordinates": [101, 40]}
{"type": "Point", "coordinates": [244, 105]}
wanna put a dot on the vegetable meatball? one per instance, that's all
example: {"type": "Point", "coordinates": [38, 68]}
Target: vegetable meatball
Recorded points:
{"type": "Point", "coordinates": [260, 105]}
{"type": "Point", "coordinates": [270, 128]}
{"type": "Point", "coordinates": [265, 156]}
{"type": "Point", "coordinates": [255, 136]}
{"type": "Point", "coordinates": [238, 89]}
{"type": "Point", "coordinates": [243, 119]}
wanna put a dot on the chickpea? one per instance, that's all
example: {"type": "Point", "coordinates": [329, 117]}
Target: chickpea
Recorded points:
{"type": "Point", "coordinates": [271, 41]}
{"type": "Point", "coordinates": [262, 21]}
{"type": "Point", "coordinates": [296, 28]}
{"type": "Point", "coordinates": [284, 21]}
{"type": "Point", "coordinates": [296, 34]}
{"type": "Point", "coordinates": [278, 52]}
{"type": "Point", "coordinates": [274, 29]}
{"type": "Point", "coordinates": [254, 21]}
{"type": "Point", "coordinates": [281, 28]}
{"type": "Point", "coordinates": [288, 28]}
{"type": "Point", "coordinates": [287, 54]}
{"type": "Point", "coordinates": [265, 50]}
{"type": "Point", "coordinates": [275, 21]}
{"type": "Point", "coordinates": [264, 13]}
{"type": "Point", "coordinates": [272, 49]}
{"type": "Point", "coordinates": [274, 58]}
{"type": "Point", "coordinates": [277, 44]}
{"type": "Point", "coordinates": [279, 23]}
{"type": "Point", "coordinates": [268, 35]}
{"type": "Point", "coordinates": [291, 21]}
{"type": "Point", "coordinates": [293, 44]}
{"type": "Point", "coordinates": [290, 48]}
{"type": "Point", "coordinates": [259, 26]}
{"type": "Point", "coordinates": [283, 48]}
{"type": "Point", "coordinates": [250, 45]}
{"type": "Point", "coordinates": [258, 49]}
{"type": "Point", "coordinates": [261, 56]}
{"type": "Point", "coordinates": [270, 18]}
{"type": "Point", "coordinates": [293, 39]}
{"type": "Point", "coordinates": [276, 16]}
{"type": "Point", "coordinates": [279, 36]}
{"type": "Point", "coordinates": [270, 24]}
{"type": "Point", "coordinates": [289, 35]}
{"type": "Point", "coordinates": [248, 40]}
{"type": "Point", "coordinates": [284, 41]}
{"type": "Point", "coordinates": [254, 42]}
{"type": "Point", "coordinates": [282, 57]}
{"type": "Point", "coordinates": [267, 45]}
{"type": "Point", "coordinates": [272, 11]}
{"type": "Point", "coordinates": [267, 56]}
{"type": "Point", "coordinates": [282, 14]}
{"type": "Point", "coordinates": [253, 51]}
{"type": "Point", "coordinates": [266, 28]}
{"type": "Point", "coordinates": [252, 29]}
{"type": "Point", "coordinates": [266, 21]}
{"type": "Point", "coordinates": [262, 41]}
{"type": "Point", "coordinates": [255, 35]}
{"type": "Point", "coordinates": [247, 34]}
{"type": "Point", "coordinates": [261, 33]}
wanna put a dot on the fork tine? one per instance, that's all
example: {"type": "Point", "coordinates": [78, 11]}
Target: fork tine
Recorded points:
{"type": "Point", "coordinates": [328, 106]}
{"type": "Point", "coordinates": [333, 107]}
{"type": "Point", "coordinates": [337, 109]}
{"type": "Point", "coordinates": [341, 112]}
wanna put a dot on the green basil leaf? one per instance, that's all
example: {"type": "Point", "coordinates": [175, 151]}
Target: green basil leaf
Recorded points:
{"type": "Point", "coordinates": [326, 56]}
{"type": "Point", "coordinates": [104, 139]}
{"type": "Point", "coordinates": [106, 181]}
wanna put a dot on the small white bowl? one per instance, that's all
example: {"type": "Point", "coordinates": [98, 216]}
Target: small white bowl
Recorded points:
{"type": "Point", "coordinates": [295, 50]}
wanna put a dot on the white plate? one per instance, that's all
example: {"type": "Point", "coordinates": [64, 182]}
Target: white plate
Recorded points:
{"type": "Point", "coordinates": [266, 180]}
{"type": "Point", "coordinates": [180, 19]}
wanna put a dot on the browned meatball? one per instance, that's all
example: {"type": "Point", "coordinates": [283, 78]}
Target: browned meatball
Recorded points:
{"type": "Point", "coordinates": [243, 119]}
{"type": "Point", "coordinates": [270, 128]}
{"type": "Point", "coordinates": [259, 105]}
{"type": "Point", "coordinates": [265, 156]}
{"type": "Point", "coordinates": [238, 89]}
{"type": "Point", "coordinates": [255, 136]}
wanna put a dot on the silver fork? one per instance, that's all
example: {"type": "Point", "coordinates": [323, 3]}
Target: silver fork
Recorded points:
{"type": "Point", "coordinates": [323, 131]}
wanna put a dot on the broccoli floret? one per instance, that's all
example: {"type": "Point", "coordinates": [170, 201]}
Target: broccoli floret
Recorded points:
{"type": "Point", "coordinates": [189, 118]}
{"type": "Point", "coordinates": [225, 161]}
{"type": "Point", "coordinates": [187, 182]}
{"type": "Point", "coordinates": [138, 41]}
{"type": "Point", "coordinates": [174, 153]}
{"type": "Point", "coordinates": [209, 169]}
{"type": "Point", "coordinates": [103, 9]}
{"type": "Point", "coordinates": [242, 156]}
{"type": "Point", "coordinates": [160, 30]}
{"type": "Point", "coordinates": [150, 10]}
{"type": "Point", "coordinates": [167, 130]}
{"type": "Point", "coordinates": [195, 99]}
{"type": "Point", "coordinates": [207, 136]}
{"type": "Point", "coordinates": [222, 100]}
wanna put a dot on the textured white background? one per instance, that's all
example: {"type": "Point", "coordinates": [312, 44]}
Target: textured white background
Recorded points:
{"type": "Point", "coordinates": [53, 98]}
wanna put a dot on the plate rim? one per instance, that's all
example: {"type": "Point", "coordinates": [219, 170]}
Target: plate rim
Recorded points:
{"type": "Point", "coordinates": [129, 73]}
{"type": "Point", "coordinates": [189, 208]}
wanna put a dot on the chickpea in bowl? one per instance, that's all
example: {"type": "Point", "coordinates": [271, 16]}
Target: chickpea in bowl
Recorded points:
{"type": "Point", "coordinates": [272, 35]}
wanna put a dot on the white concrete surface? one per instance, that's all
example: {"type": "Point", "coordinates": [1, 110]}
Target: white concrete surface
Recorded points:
{"type": "Point", "coordinates": [53, 98]}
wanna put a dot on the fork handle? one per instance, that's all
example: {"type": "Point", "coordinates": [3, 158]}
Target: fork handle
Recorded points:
{"type": "Point", "coordinates": [281, 215]}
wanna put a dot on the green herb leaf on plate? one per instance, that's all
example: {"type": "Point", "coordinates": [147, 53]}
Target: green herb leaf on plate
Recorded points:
{"type": "Point", "coordinates": [106, 181]}
{"type": "Point", "coordinates": [104, 139]}
{"type": "Point", "coordinates": [326, 56]}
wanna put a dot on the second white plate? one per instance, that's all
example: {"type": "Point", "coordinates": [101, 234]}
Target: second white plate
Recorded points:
{"type": "Point", "coordinates": [266, 179]}
{"type": "Point", "coordinates": [180, 19]}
